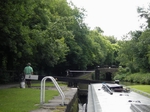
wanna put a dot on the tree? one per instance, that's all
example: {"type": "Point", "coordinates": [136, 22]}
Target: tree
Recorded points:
{"type": "Point", "coordinates": [99, 30]}
{"type": "Point", "coordinates": [144, 13]}
{"type": "Point", "coordinates": [14, 35]}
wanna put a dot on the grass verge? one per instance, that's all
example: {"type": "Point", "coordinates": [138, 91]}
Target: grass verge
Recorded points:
{"type": "Point", "coordinates": [144, 88]}
{"type": "Point", "coordinates": [48, 83]}
{"type": "Point", "coordinates": [23, 100]}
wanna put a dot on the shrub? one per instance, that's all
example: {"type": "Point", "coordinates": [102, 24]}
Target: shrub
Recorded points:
{"type": "Point", "coordinates": [120, 77]}
{"type": "Point", "coordinates": [142, 78]}
{"type": "Point", "coordinates": [122, 73]}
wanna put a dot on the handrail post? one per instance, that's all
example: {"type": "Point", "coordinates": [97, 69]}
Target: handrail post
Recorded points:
{"type": "Point", "coordinates": [42, 96]}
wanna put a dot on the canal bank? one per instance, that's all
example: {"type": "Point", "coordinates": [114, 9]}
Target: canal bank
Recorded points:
{"type": "Point", "coordinates": [73, 97]}
{"type": "Point", "coordinates": [55, 105]}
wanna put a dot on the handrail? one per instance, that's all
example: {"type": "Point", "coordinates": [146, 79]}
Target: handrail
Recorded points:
{"type": "Point", "coordinates": [107, 89]}
{"type": "Point", "coordinates": [42, 98]}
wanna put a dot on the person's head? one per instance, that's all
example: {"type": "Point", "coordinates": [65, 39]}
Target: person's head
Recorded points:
{"type": "Point", "coordinates": [28, 64]}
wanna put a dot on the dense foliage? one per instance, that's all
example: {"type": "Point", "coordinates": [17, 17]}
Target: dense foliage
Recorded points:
{"type": "Point", "coordinates": [51, 35]}
{"type": "Point", "coordinates": [134, 54]}
{"type": "Point", "coordinates": [125, 75]}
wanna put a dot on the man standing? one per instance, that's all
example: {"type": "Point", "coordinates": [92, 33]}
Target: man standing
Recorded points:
{"type": "Point", "coordinates": [28, 70]}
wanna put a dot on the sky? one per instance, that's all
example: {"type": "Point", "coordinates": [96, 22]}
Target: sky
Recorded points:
{"type": "Point", "coordinates": [115, 17]}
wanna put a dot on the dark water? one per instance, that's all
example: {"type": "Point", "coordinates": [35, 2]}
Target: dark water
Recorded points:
{"type": "Point", "coordinates": [82, 96]}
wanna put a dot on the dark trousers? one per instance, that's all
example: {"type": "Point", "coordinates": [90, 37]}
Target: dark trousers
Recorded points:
{"type": "Point", "coordinates": [28, 82]}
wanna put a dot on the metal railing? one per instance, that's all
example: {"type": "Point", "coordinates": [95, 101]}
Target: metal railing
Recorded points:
{"type": "Point", "coordinates": [107, 89]}
{"type": "Point", "coordinates": [42, 96]}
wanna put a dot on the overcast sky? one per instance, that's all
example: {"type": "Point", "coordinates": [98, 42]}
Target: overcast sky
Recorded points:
{"type": "Point", "coordinates": [115, 17]}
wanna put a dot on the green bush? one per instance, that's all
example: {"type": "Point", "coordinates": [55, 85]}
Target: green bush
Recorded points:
{"type": "Point", "coordinates": [128, 78]}
{"type": "Point", "coordinates": [5, 78]}
{"type": "Point", "coordinates": [120, 77]}
{"type": "Point", "coordinates": [125, 75]}
{"type": "Point", "coordinates": [147, 78]}
{"type": "Point", "coordinates": [122, 73]}
{"type": "Point", "coordinates": [142, 78]}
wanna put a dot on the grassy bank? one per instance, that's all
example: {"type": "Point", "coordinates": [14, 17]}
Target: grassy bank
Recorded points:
{"type": "Point", "coordinates": [144, 88]}
{"type": "Point", "coordinates": [23, 100]}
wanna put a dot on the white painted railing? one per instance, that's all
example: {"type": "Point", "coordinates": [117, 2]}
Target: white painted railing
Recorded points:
{"type": "Point", "coordinates": [42, 97]}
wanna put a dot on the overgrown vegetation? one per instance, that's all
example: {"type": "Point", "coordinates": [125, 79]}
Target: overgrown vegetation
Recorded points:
{"type": "Point", "coordinates": [125, 75]}
{"type": "Point", "coordinates": [52, 36]}
{"type": "Point", "coordinates": [134, 54]}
